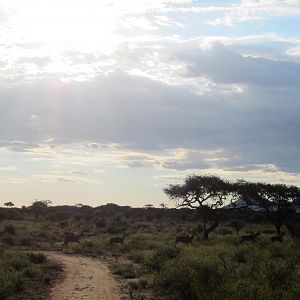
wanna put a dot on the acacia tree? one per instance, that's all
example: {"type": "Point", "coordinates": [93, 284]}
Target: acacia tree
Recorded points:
{"type": "Point", "coordinates": [39, 206]}
{"type": "Point", "coordinates": [206, 194]}
{"type": "Point", "coordinates": [148, 206]}
{"type": "Point", "coordinates": [277, 200]}
{"type": "Point", "coordinates": [9, 204]}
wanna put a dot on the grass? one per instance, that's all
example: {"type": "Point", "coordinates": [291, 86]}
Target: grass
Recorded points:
{"type": "Point", "coordinates": [226, 271]}
{"type": "Point", "coordinates": [25, 275]}
{"type": "Point", "coordinates": [149, 260]}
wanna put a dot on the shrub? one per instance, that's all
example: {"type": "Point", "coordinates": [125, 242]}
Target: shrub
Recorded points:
{"type": "Point", "coordinates": [19, 263]}
{"type": "Point", "coordinates": [161, 255]}
{"type": "Point", "coordinates": [101, 223]}
{"type": "Point", "coordinates": [279, 274]}
{"type": "Point", "coordinates": [10, 283]}
{"type": "Point", "coordinates": [93, 246]}
{"type": "Point", "coordinates": [26, 242]}
{"type": "Point", "coordinates": [30, 272]}
{"type": "Point", "coordinates": [8, 239]}
{"type": "Point", "coordinates": [138, 284]}
{"type": "Point", "coordinates": [189, 278]}
{"type": "Point", "coordinates": [240, 255]}
{"type": "Point", "coordinates": [37, 258]}
{"type": "Point", "coordinates": [127, 271]}
{"type": "Point", "coordinates": [224, 231]}
{"type": "Point", "coordinates": [46, 279]}
{"type": "Point", "coordinates": [10, 229]}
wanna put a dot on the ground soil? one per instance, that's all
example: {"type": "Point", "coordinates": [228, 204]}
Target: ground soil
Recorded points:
{"type": "Point", "coordinates": [85, 278]}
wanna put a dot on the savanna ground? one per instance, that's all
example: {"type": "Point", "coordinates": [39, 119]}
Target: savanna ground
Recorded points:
{"type": "Point", "coordinates": [148, 265]}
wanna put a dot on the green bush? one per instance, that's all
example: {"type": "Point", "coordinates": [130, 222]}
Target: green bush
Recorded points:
{"type": "Point", "coordinates": [93, 246]}
{"type": "Point", "coordinates": [10, 283]}
{"type": "Point", "coordinates": [37, 258]}
{"type": "Point", "coordinates": [127, 271]}
{"type": "Point", "coordinates": [225, 271]}
{"type": "Point", "coordinates": [190, 278]}
{"type": "Point", "coordinates": [8, 239]}
{"type": "Point", "coordinates": [162, 255]}
{"type": "Point", "coordinates": [10, 229]}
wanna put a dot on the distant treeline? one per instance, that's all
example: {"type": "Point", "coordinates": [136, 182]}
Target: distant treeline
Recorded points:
{"type": "Point", "coordinates": [59, 213]}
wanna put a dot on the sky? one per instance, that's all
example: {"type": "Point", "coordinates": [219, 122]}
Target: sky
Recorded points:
{"type": "Point", "coordinates": [110, 101]}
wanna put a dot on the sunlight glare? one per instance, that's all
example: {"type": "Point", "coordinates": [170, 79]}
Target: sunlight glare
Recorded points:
{"type": "Point", "coordinates": [68, 24]}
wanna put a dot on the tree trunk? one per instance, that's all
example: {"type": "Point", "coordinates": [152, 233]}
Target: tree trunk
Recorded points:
{"type": "Point", "coordinates": [205, 235]}
{"type": "Point", "coordinates": [278, 229]}
{"type": "Point", "coordinates": [212, 227]}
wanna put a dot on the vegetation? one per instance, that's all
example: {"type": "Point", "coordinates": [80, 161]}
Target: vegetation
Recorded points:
{"type": "Point", "coordinates": [9, 204]}
{"type": "Point", "coordinates": [165, 252]}
{"type": "Point", "coordinates": [277, 200]}
{"type": "Point", "coordinates": [204, 193]}
{"type": "Point", "coordinates": [24, 275]}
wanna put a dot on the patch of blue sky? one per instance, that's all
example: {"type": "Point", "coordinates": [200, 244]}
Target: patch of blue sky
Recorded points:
{"type": "Point", "coordinates": [195, 24]}
{"type": "Point", "coordinates": [287, 26]}
{"type": "Point", "coordinates": [207, 3]}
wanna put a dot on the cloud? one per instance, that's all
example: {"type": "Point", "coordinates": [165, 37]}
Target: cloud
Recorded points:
{"type": "Point", "coordinates": [169, 178]}
{"type": "Point", "coordinates": [40, 61]}
{"type": "Point", "coordinates": [256, 126]}
{"type": "Point", "coordinates": [77, 176]}
{"type": "Point", "coordinates": [13, 180]}
{"type": "Point", "coordinates": [243, 11]}
{"type": "Point", "coordinates": [8, 169]}
{"type": "Point", "coordinates": [225, 66]}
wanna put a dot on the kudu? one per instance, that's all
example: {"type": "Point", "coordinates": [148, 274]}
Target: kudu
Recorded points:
{"type": "Point", "coordinates": [185, 239]}
{"type": "Point", "coordinates": [250, 237]}
{"type": "Point", "coordinates": [277, 238]}
{"type": "Point", "coordinates": [117, 240]}
{"type": "Point", "coordinates": [70, 237]}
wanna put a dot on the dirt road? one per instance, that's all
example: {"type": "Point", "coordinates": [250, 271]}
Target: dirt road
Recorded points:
{"type": "Point", "coordinates": [86, 278]}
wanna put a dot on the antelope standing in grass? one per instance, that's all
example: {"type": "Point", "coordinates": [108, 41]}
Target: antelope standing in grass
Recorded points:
{"type": "Point", "coordinates": [277, 238]}
{"type": "Point", "coordinates": [70, 237]}
{"type": "Point", "coordinates": [250, 237]}
{"type": "Point", "coordinates": [117, 240]}
{"type": "Point", "coordinates": [185, 239]}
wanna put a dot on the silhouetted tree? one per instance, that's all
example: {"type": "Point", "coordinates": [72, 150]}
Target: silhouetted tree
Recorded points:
{"type": "Point", "coordinates": [9, 204]}
{"type": "Point", "coordinates": [39, 206]}
{"type": "Point", "coordinates": [163, 206]}
{"type": "Point", "coordinates": [148, 206]}
{"type": "Point", "coordinates": [277, 200]}
{"type": "Point", "coordinates": [204, 193]}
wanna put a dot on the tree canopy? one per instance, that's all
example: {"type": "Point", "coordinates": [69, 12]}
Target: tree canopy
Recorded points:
{"type": "Point", "coordinates": [206, 193]}
{"type": "Point", "coordinates": [9, 204]}
{"type": "Point", "coordinates": [277, 200]}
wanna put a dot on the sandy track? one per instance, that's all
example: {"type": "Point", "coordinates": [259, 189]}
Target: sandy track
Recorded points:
{"type": "Point", "coordinates": [86, 278]}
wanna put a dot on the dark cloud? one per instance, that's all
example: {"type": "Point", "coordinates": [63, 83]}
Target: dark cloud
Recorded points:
{"type": "Point", "coordinates": [222, 65]}
{"type": "Point", "coordinates": [259, 126]}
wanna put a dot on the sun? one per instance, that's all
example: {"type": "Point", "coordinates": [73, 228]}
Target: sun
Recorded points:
{"type": "Point", "coordinates": [66, 24]}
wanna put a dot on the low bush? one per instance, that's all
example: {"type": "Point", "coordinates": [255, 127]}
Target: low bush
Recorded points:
{"type": "Point", "coordinates": [127, 271]}
{"type": "Point", "coordinates": [91, 247]}
{"type": "Point", "coordinates": [160, 256]}
{"type": "Point", "coordinates": [16, 268]}
{"type": "Point", "coordinates": [37, 258]}
{"type": "Point", "coordinates": [224, 271]}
